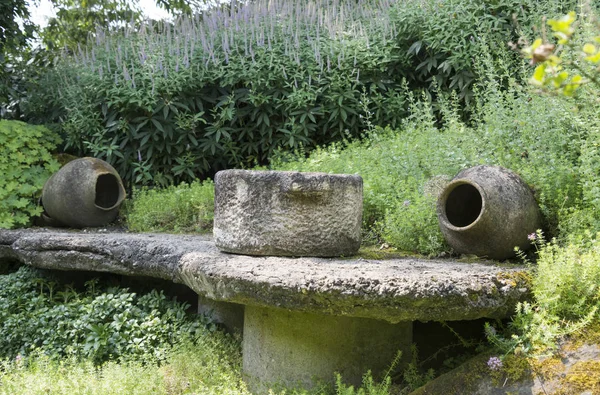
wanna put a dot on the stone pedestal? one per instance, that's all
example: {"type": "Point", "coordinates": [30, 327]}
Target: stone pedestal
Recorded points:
{"type": "Point", "coordinates": [286, 348]}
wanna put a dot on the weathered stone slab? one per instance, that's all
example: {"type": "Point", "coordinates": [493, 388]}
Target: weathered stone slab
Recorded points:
{"type": "Point", "coordinates": [392, 290]}
{"type": "Point", "coordinates": [287, 213]}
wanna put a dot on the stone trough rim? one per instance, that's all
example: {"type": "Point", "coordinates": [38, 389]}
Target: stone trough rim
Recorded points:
{"type": "Point", "coordinates": [475, 290]}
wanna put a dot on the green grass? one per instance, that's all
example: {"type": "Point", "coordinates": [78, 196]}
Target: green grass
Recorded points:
{"type": "Point", "coordinates": [210, 366]}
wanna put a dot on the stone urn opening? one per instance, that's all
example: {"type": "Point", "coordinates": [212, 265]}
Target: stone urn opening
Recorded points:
{"type": "Point", "coordinates": [487, 211]}
{"type": "Point", "coordinates": [86, 192]}
{"type": "Point", "coordinates": [109, 192]}
{"type": "Point", "coordinates": [464, 204]}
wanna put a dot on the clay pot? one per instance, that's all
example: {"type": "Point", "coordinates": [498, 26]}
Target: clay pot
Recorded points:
{"type": "Point", "coordinates": [86, 192]}
{"type": "Point", "coordinates": [487, 211]}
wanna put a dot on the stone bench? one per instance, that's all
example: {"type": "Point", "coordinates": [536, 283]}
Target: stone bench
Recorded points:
{"type": "Point", "coordinates": [303, 318]}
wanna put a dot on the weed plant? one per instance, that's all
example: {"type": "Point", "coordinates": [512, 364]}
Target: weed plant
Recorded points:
{"type": "Point", "coordinates": [565, 287]}
{"type": "Point", "coordinates": [567, 269]}
{"type": "Point", "coordinates": [179, 209]}
{"type": "Point", "coordinates": [210, 365]}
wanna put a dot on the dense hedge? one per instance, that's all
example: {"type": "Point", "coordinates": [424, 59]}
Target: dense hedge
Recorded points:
{"type": "Point", "coordinates": [172, 102]}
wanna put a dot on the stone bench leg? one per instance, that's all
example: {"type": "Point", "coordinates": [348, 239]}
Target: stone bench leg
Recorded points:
{"type": "Point", "coordinates": [231, 315]}
{"type": "Point", "coordinates": [285, 348]}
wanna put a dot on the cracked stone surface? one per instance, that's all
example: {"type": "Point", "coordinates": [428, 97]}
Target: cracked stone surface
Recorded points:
{"type": "Point", "coordinates": [393, 290]}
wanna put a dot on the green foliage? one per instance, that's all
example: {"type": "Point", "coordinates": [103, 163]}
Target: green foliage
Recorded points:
{"type": "Point", "coordinates": [25, 165]}
{"type": "Point", "coordinates": [369, 386]}
{"type": "Point", "coordinates": [568, 278]}
{"type": "Point", "coordinates": [567, 298]}
{"type": "Point", "coordinates": [99, 324]}
{"type": "Point", "coordinates": [538, 137]}
{"type": "Point", "coordinates": [76, 20]}
{"type": "Point", "coordinates": [13, 37]}
{"type": "Point", "coordinates": [437, 40]}
{"type": "Point", "coordinates": [183, 208]}
{"type": "Point", "coordinates": [230, 86]}
{"type": "Point", "coordinates": [564, 68]}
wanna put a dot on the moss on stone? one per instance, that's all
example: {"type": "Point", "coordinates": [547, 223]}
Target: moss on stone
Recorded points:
{"type": "Point", "coordinates": [516, 368]}
{"type": "Point", "coordinates": [377, 253]}
{"type": "Point", "coordinates": [514, 278]}
{"type": "Point", "coordinates": [583, 376]}
{"type": "Point", "coordinates": [547, 368]}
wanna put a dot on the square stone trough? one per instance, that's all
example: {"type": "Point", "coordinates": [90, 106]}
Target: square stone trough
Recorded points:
{"type": "Point", "coordinates": [302, 318]}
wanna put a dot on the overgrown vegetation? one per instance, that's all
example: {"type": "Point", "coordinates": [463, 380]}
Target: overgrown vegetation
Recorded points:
{"type": "Point", "coordinates": [185, 208]}
{"type": "Point", "coordinates": [211, 364]}
{"type": "Point", "coordinates": [567, 269]}
{"type": "Point", "coordinates": [403, 169]}
{"type": "Point", "coordinates": [39, 315]}
{"type": "Point", "coordinates": [26, 163]}
{"type": "Point", "coordinates": [101, 339]}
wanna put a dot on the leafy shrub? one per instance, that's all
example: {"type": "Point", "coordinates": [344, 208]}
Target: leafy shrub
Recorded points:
{"type": "Point", "coordinates": [183, 208]}
{"type": "Point", "coordinates": [99, 324]}
{"type": "Point", "coordinates": [225, 88]}
{"type": "Point", "coordinates": [438, 40]}
{"type": "Point", "coordinates": [25, 165]}
{"type": "Point", "coordinates": [172, 102]}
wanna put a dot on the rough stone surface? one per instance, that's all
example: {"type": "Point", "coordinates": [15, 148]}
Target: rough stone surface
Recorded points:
{"type": "Point", "coordinates": [487, 211]}
{"type": "Point", "coordinates": [393, 290]}
{"type": "Point", "coordinates": [287, 213]}
{"type": "Point", "coordinates": [299, 349]}
{"type": "Point", "coordinates": [575, 370]}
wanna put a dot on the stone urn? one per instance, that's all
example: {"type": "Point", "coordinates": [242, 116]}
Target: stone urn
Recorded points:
{"type": "Point", "coordinates": [86, 192]}
{"type": "Point", "coordinates": [287, 213]}
{"type": "Point", "coordinates": [487, 211]}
